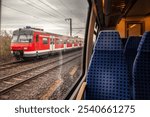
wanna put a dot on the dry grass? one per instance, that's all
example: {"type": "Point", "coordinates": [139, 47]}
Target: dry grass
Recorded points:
{"type": "Point", "coordinates": [5, 41]}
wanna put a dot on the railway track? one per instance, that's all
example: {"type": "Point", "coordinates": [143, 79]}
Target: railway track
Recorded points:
{"type": "Point", "coordinates": [9, 65]}
{"type": "Point", "coordinates": [13, 81]}
{"type": "Point", "coordinates": [3, 64]}
{"type": "Point", "coordinates": [18, 63]}
{"type": "Point", "coordinates": [14, 64]}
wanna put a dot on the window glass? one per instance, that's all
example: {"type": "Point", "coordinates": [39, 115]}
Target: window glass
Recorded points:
{"type": "Point", "coordinates": [45, 40]}
{"type": "Point", "coordinates": [22, 38]}
{"type": "Point", "coordinates": [70, 41]}
{"type": "Point", "coordinates": [59, 41]}
{"type": "Point", "coordinates": [95, 32]}
{"type": "Point", "coordinates": [54, 25]}
{"type": "Point", "coordinates": [14, 38]}
{"type": "Point", "coordinates": [25, 38]}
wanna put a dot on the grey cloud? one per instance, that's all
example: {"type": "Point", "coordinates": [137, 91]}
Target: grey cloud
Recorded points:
{"type": "Point", "coordinates": [47, 14]}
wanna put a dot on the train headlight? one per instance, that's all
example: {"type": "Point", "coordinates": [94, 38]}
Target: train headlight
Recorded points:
{"type": "Point", "coordinates": [25, 48]}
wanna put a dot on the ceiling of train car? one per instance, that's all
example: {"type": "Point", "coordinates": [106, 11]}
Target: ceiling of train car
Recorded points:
{"type": "Point", "coordinates": [141, 8]}
{"type": "Point", "coordinates": [113, 10]}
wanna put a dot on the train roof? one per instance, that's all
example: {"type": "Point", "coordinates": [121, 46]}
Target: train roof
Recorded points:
{"type": "Point", "coordinates": [30, 31]}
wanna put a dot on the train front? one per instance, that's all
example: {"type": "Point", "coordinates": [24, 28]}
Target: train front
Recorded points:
{"type": "Point", "coordinates": [21, 43]}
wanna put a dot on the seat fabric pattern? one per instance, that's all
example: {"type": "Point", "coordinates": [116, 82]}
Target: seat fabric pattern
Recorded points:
{"type": "Point", "coordinates": [107, 77]}
{"type": "Point", "coordinates": [141, 69]}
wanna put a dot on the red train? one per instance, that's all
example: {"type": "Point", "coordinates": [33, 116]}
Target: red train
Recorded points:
{"type": "Point", "coordinates": [33, 42]}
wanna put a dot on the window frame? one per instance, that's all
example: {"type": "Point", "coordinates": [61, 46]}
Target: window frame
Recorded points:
{"type": "Point", "coordinates": [71, 94]}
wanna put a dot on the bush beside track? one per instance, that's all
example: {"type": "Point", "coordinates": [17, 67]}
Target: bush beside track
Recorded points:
{"type": "Point", "coordinates": [5, 41]}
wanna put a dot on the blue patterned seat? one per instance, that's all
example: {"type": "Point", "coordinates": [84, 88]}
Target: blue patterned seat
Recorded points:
{"type": "Point", "coordinates": [107, 77]}
{"type": "Point", "coordinates": [130, 51]}
{"type": "Point", "coordinates": [141, 69]}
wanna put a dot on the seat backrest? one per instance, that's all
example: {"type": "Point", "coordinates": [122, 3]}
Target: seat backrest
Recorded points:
{"type": "Point", "coordinates": [107, 77]}
{"type": "Point", "coordinates": [130, 50]}
{"type": "Point", "coordinates": [124, 40]}
{"type": "Point", "coordinates": [141, 69]}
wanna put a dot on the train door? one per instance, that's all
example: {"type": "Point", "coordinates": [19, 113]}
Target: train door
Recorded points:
{"type": "Point", "coordinates": [37, 44]}
{"type": "Point", "coordinates": [65, 44]}
{"type": "Point", "coordinates": [73, 44]}
{"type": "Point", "coordinates": [52, 46]}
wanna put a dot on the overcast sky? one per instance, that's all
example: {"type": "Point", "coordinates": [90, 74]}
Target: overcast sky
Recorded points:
{"type": "Point", "coordinates": [47, 14]}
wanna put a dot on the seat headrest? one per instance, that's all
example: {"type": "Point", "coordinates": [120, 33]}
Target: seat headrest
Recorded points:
{"type": "Point", "coordinates": [144, 45]}
{"type": "Point", "coordinates": [108, 40]}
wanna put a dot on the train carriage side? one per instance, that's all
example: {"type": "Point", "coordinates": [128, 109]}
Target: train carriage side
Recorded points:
{"type": "Point", "coordinates": [58, 43]}
{"type": "Point", "coordinates": [31, 42]}
{"type": "Point", "coordinates": [69, 43]}
{"type": "Point", "coordinates": [76, 44]}
{"type": "Point", "coordinates": [42, 43]}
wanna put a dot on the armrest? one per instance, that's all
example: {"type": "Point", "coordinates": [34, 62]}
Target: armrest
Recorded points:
{"type": "Point", "coordinates": [81, 91]}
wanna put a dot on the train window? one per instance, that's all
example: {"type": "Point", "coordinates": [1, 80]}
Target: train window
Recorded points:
{"type": "Point", "coordinates": [53, 25]}
{"type": "Point", "coordinates": [94, 38]}
{"type": "Point", "coordinates": [70, 41]}
{"type": "Point", "coordinates": [61, 41]}
{"type": "Point", "coordinates": [14, 38]}
{"type": "Point", "coordinates": [95, 32]}
{"type": "Point", "coordinates": [57, 41]}
{"type": "Point", "coordinates": [22, 38]}
{"type": "Point", "coordinates": [25, 38]}
{"type": "Point", "coordinates": [45, 40]}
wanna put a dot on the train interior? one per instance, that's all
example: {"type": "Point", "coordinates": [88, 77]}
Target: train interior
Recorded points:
{"type": "Point", "coordinates": [116, 53]}
{"type": "Point", "coordinates": [114, 63]}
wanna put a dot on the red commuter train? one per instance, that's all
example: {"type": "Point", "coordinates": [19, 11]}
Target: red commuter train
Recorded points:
{"type": "Point", "coordinates": [33, 42]}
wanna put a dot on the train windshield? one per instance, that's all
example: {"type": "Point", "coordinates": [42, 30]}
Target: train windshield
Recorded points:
{"type": "Point", "coordinates": [22, 38]}
{"type": "Point", "coordinates": [14, 39]}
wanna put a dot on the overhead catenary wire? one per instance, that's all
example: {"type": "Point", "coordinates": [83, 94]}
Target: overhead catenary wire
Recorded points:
{"type": "Point", "coordinates": [19, 11]}
{"type": "Point", "coordinates": [55, 23]}
{"type": "Point", "coordinates": [67, 8]}
{"type": "Point", "coordinates": [37, 8]}
{"type": "Point", "coordinates": [40, 9]}
{"type": "Point", "coordinates": [77, 33]}
{"type": "Point", "coordinates": [46, 8]}
{"type": "Point", "coordinates": [52, 8]}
